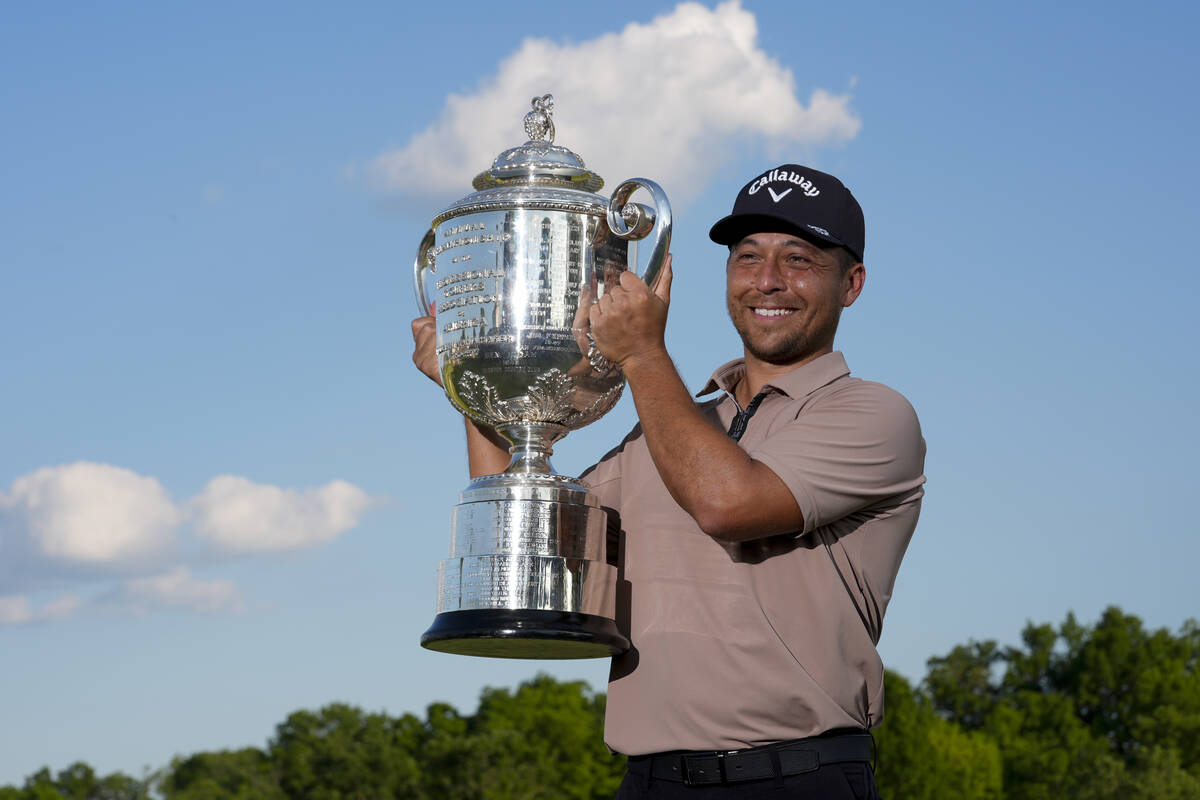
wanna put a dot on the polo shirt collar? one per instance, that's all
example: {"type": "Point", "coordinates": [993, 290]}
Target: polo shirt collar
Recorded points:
{"type": "Point", "coordinates": [802, 381]}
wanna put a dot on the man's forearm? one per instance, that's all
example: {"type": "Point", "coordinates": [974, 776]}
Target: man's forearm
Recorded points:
{"type": "Point", "coordinates": [730, 495]}
{"type": "Point", "coordinates": [487, 451]}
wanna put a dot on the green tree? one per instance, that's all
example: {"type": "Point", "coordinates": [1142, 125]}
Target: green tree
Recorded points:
{"type": "Point", "coordinates": [77, 782]}
{"type": "Point", "coordinates": [543, 741]}
{"type": "Point", "coordinates": [559, 730]}
{"type": "Point", "coordinates": [1100, 712]}
{"type": "Point", "coordinates": [1092, 712]}
{"type": "Point", "coordinates": [342, 753]}
{"type": "Point", "coordinates": [962, 683]}
{"type": "Point", "coordinates": [1048, 753]}
{"type": "Point", "coordinates": [1159, 775]}
{"type": "Point", "coordinates": [1138, 689]}
{"type": "Point", "coordinates": [246, 774]}
{"type": "Point", "coordinates": [921, 756]}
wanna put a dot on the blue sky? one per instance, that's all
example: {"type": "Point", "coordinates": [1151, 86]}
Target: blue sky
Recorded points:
{"type": "Point", "coordinates": [224, 490]}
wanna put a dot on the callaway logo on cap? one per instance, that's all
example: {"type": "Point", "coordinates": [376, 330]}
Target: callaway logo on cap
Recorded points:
{"type": "Point", "coordinates": [795, 199]}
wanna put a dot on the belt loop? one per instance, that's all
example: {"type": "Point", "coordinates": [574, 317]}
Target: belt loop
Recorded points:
{"type": "Point", "coordinates": [649, 776]}
{"type": "Point", "coordinates": [776, 767]}
{"type": "Point", "coordinates": [874, 752]}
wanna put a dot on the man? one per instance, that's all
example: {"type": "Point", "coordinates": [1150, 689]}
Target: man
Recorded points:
{"type": "Point", "coordinates": [763, 529]}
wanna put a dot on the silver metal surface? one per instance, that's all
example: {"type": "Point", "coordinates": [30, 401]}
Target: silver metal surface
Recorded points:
{"type": "Point", "coordinates": [563, 530]}
{"type": "Point", "coordinates": [511, 271]}
{"type": "Point", "coordinates": [526, 582]}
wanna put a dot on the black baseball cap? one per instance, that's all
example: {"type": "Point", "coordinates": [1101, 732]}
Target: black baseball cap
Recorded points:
{"type": "Point", "coordinates": [795, 199]}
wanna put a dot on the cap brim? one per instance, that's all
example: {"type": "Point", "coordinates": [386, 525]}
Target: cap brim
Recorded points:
{"type": "Point", "coordinates": [732, 229]}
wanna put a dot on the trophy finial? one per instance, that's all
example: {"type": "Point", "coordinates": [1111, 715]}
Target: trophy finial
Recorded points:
{"type": "Point", "coordinates": [539, 162]}
{"type": "Point", "coordinates": [538, 125]}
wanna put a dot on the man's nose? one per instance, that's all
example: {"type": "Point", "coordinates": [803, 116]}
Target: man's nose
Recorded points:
{"type": "Point", "coordinates": [769, 277]}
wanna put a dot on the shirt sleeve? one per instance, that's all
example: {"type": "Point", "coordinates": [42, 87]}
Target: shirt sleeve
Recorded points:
{"type": "Point", "coordinates": [603, 478]}
{"type": "Point", "coordinates": [849, 450]}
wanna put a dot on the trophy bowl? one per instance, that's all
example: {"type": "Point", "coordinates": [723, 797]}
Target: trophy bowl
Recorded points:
{"type": "Point", "coordinates": [510, 272]}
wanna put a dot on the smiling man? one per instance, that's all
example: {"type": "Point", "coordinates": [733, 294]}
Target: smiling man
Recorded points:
{"type": "Point", "coordinates": [761, 530]}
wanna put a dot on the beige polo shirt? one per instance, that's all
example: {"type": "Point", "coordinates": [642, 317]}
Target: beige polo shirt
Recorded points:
{"type": "Point", "coordinates": [737, 645]}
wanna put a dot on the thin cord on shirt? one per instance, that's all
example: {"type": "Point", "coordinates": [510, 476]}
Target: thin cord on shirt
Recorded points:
{"type": "Point", "coordinates": [742, 418]}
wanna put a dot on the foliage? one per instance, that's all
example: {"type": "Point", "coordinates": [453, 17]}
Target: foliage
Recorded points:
{"type": "Point", "coordinates": [920, 756]}
{"type": "Point", "coordinates": [543, 741]}
{"type": "Point", "coordinates": [1091, 713]}
{"type": "Point", "coordinates": [1109, 711]}
{"type": "Point", "coordinates": [236, 774]}
{"type": "Point", "coordinates": [77, 782]}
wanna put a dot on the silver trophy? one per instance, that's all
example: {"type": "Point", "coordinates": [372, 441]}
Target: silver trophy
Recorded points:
{"type": "Point", "coordinates": [512, 270]}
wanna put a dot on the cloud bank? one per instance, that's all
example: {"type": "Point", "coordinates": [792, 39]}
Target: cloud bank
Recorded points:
{"type": "Point", "coordinates": [92, 513]}
{"type": "Point", "coordinates": [175, 589]}
{"type": "Point", "coordinates": [17, 610]}
{"type": "Point", "coordinates": [83, 521]}
{"type": "Point", "coordinates": [241, 516]}
{"type": "Point", "coordinates": [667, 100]}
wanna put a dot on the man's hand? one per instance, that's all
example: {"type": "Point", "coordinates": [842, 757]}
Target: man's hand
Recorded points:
{"type": "Point", "coordinates": [730, 495]}
{"type": "Point", "coordinates": [424, 330]}
{"type": "Point", "coordinates": [630, 320]}
{"type": "Point", "coordinates": [487, 453]}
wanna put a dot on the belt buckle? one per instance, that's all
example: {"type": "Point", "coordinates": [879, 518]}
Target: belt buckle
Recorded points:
{"type": "Point", "coordinates": [713, 770]}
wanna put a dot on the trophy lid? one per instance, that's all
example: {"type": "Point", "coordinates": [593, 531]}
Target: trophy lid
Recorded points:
{"type": "Point", "coordinates": [539, 161]}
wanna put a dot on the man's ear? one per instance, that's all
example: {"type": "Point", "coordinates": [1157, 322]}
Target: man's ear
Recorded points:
{"type": "Point", "coordinates": [856, 277]}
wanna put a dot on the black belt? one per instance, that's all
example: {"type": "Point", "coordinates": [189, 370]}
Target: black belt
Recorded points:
{"type": "Point", "coordinates": [756, 763]}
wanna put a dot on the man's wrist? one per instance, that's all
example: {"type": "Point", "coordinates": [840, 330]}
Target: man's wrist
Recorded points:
{"type": "Point", "coordinates": [652, 361]}
{"type": "Point", "coordinates": [487, 432]}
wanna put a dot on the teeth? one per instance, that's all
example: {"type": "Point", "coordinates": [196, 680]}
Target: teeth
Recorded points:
{"type": "Point", "coordinates": [772, 312]}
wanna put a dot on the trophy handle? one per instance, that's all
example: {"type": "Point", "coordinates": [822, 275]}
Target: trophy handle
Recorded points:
{"type": "Point", "coordinates": [421, 265]}
{"type": "Point", "coordinates": [636, 221]}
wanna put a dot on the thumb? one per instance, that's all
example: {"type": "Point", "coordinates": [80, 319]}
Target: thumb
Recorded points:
{"type": "Point", "coordinates": [663, 287]}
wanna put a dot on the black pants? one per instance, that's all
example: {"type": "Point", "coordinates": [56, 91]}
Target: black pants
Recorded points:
{"type": "Point", "coordinates": [848, 781]}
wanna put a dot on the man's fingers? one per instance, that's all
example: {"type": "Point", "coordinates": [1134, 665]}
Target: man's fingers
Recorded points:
{"type": "Point", "coordinates": [421, 323]}
{"type": "Point", "coordinates": [629, 279]}
{"type": "Point", "coordinates": [663, 287]}
{"type": "Point", "coordinates": [424, 353]}
{"type": "Point", "coordinates": [633, 284]}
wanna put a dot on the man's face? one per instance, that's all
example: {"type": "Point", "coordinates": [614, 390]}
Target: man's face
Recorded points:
{"type": "Point", "coordinates": [785, 296]}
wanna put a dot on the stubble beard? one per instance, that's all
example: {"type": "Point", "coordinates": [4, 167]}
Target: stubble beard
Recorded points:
{"type": "Point", "coordinates": [776, 351]}
{"type": "Point", "coordinates": [793, 347]}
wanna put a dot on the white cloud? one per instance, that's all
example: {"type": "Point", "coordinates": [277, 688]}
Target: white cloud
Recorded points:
{"type": "Point", "coordinates": [92, 513]}
{"type": "Point", "coordinates": [87, 522]}
{"type": "Point", "coordinates": [242, 516]}
{"type": "Point", "coordinates": [665, 100]}
{"type": "Point", "coordinates": [16, 610]}
{"type": "Point", "coordinates": [177, 589]}
{"type": "Point", "coordinates": [64, 606]}
{"type": "Point", "coordinates": [172, 590]}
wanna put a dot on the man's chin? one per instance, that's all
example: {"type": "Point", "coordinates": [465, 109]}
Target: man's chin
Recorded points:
{"type": "Point", "coordinates": [780, 356]}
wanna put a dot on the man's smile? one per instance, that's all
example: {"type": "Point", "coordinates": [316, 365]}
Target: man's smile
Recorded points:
{"type": "Point", "coordinates": [770, 312]}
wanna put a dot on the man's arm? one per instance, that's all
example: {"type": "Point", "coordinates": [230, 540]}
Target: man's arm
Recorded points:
{"type": "Point", "coordinates": [730, 495]}
{"type": "Point", "coordinates": [487, 452]}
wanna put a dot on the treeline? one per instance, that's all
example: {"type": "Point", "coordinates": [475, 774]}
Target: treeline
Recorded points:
{"type": "Point", "coordinates": [1083, 712]}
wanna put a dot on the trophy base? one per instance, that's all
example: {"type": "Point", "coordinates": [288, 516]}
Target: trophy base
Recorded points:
{"type": "Point", "coordinates": [524, 633]}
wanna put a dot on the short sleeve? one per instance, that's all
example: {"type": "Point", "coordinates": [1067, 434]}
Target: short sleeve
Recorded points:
{"type": "Point", "coordinates": [603, 479]}
{"type": "Point", "coordinates": [849, 449]}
